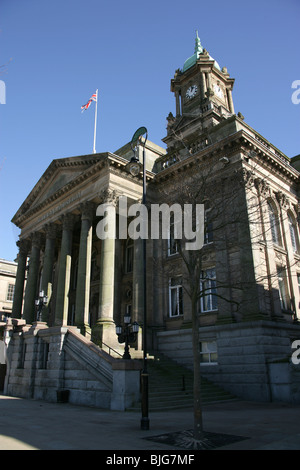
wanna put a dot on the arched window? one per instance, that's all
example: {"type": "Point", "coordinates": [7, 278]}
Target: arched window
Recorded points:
{"type": "Point", "coordinates": [274, 224]}
{"type": "Point", "coordinates": [293, 233]}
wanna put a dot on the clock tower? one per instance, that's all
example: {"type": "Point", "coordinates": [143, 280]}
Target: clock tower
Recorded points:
{"type": "Point", "coordinates": [202, 95]}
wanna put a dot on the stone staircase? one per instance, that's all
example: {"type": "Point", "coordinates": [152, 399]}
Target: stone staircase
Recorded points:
{"type": "Point", "coordinates": [171, 386]}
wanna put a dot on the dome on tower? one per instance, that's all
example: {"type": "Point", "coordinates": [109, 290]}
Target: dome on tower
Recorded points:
{"type": "Point", "coordinates": [193, 59]}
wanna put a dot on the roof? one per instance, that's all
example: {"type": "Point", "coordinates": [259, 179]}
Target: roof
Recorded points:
{"type": "Point", "coordinates": [193, 59]}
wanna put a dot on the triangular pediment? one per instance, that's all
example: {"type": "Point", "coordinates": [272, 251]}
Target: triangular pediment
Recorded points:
{"type": "Point", "coordinates": [57, 182]}
{"type": "Point", "coordinates": [60, 175]}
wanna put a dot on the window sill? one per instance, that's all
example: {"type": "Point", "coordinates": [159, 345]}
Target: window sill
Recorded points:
{"type": "Point", "coordinates": [208, 312]}
{"type": "Point", "coordinates": [279, 248]}
{"type": "Point", "coordinates": [209, 364]}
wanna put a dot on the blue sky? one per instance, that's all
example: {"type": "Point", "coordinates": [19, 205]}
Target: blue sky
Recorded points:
{"type": "Point", "coordinates": [59, 52]}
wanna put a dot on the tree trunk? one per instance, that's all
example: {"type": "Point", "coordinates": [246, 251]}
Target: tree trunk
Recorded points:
{"type": "Point", "coordinates": [198, 424]}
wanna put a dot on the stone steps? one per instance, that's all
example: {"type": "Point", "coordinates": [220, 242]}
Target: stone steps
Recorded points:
{"type": "Point", "coordinates": [171, 386]}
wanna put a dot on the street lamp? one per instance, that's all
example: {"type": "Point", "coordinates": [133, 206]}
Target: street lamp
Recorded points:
{"type": "Point", "coordinates": [134, 167]}
{"type": "Point", "coordinates": [127, 334]}
{"type": "Point", "coordinates": [40, 304]}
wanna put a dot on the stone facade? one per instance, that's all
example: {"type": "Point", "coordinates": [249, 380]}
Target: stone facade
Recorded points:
{"type": "Point", "coordinates": [60, 364]}
{"type": "Point", "coordinates": [8, 271]}
{"type": "Point", "coordinates": [248, 309]}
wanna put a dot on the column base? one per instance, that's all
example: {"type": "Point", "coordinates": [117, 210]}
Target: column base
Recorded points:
{"type": "Point", "coordinates": [104, 333]}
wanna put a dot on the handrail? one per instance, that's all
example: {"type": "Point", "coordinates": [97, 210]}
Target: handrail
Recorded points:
{"type": "Point", "coordinates": [111, 349]}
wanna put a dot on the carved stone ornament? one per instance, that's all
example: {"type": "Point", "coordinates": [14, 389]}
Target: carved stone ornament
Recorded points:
{"type": "Point", "coordinates": [51, 230]}
{"type": "Point", "coordinates": [296, 208]}
{"type": "Point", "coordinates": [109, 196]}
{"type": "Point", "coordinates": [262, 187]}
{"type": "Point", "coordinates": [282, 199]}
{"type": "Point", "coordinates": [247, 177]}
{"type": "Point", "coordinates": [68, 221]}
{"type": "Point", "coordinates": [36, 239]}
{"type": "Point", "coordinates": [24, 246]}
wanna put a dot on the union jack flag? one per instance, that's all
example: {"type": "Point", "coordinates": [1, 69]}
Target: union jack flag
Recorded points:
{"type": "Point", "coordinates": [88, 104]}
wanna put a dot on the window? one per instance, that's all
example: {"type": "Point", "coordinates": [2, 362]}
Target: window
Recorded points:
{"type": "Point", "coordinates": [208, 228]}
{"type": "Point", "coordinates": [175, 297]}
{"type": "Point", "coordinates": [209, 301]}
{"type": "Point", "coordinates": [293, 233]}
{"type": "Point", "coordinates": [128, 310]}
{"type": "Point", "coordinates": [208, 352]}
{"type": "Point", "coordinates": [274, 224]}
{"type": "Point", "coordinates": [283, 293]}
{"type": "Point", "coordinates": [298, 280]}
{"type": "Point", "coordinates": [129, 255]}
{"type": "Point", "coordinates": [172, 242]}
{"type": "Point", "coordinates": [10, 292]}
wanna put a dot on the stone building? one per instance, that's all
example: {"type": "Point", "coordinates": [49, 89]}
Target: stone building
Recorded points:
{"type": "Point", "coordinates": [250, 262]}
{"type": "Point", "coordinates": [8, 271]}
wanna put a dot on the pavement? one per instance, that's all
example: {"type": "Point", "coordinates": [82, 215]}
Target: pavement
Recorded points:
{"type": "Point", "coordinates": [37, 425]}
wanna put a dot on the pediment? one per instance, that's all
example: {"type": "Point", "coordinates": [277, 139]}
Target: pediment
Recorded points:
{"type": "Point", "coordinates": [58, 178]}
{"type": "Point", "coordinates": [57, 182]}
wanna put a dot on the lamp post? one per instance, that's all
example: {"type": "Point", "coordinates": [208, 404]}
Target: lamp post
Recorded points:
{"type": "Point", "coordinates": [40, 303]}
{"type": "Point", "coordinates": [127, 334]}
{"type": "Point", "coordinates": [134, 167]}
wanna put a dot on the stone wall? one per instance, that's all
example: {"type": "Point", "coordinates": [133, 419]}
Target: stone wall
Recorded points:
{"type": "Point", "coordinates": [42, 362]}
{"type": "Point", "coordinates": [248, 354]}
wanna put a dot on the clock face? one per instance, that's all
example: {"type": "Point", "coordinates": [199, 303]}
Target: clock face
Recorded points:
{"type": "Point", "coordinates": [191, 91]}
{"type": "Point", "coordinates": [218, 91]}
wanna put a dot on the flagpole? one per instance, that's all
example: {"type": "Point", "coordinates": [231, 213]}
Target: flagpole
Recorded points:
{"type": "Point", "coordinates": [94, 148]}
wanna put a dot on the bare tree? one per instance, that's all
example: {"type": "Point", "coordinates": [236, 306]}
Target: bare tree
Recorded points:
{"type": "Point", "coordinates": [233, 219]}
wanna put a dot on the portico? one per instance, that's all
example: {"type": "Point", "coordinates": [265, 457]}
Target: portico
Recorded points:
{"type": "Point", "coordinates": [85, 278]}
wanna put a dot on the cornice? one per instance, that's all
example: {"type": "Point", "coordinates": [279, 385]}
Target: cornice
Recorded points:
{"type": "Point", "coordinates": [69, 162]}
{"type": "Point", "coordinates": [265, 155]}
{"type": "Point", "coordinates": [112, 162]}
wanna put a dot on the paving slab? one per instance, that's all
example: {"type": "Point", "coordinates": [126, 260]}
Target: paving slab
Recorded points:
{"type": "Point", "coordinates": [37, 425]}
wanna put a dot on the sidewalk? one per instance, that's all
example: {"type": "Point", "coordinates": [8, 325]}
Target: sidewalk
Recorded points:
{"type": "Point", "coordinates": [29, 425]}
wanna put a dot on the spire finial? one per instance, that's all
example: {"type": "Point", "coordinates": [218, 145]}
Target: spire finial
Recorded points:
{"type": "Point", "coordinates": [198, 47]}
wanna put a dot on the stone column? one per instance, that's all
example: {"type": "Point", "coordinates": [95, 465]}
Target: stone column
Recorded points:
{"type": "Point", "coordinates": [230, 101]}
{"type": "Point", "coordinates": [64, 273]}
{"type": "Point", "coordinates": [177, 96]}
{"type": "Point", "coordinates": [84, 268]}
{"type": "Point", "coordinates": [51, 230]}
{"type": "Point", "coordinates": [29, 313]}
{"type": "Point", "coordinates": [20, 278]}
{"type": "Point", "coordinates": [104, 330]}
{"type": "Point", "coordinates": [284, 206]}
{"type": "Point", "coordinates": [203, 85]}
{"type": "Point", "coordinates": [208, 77]}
